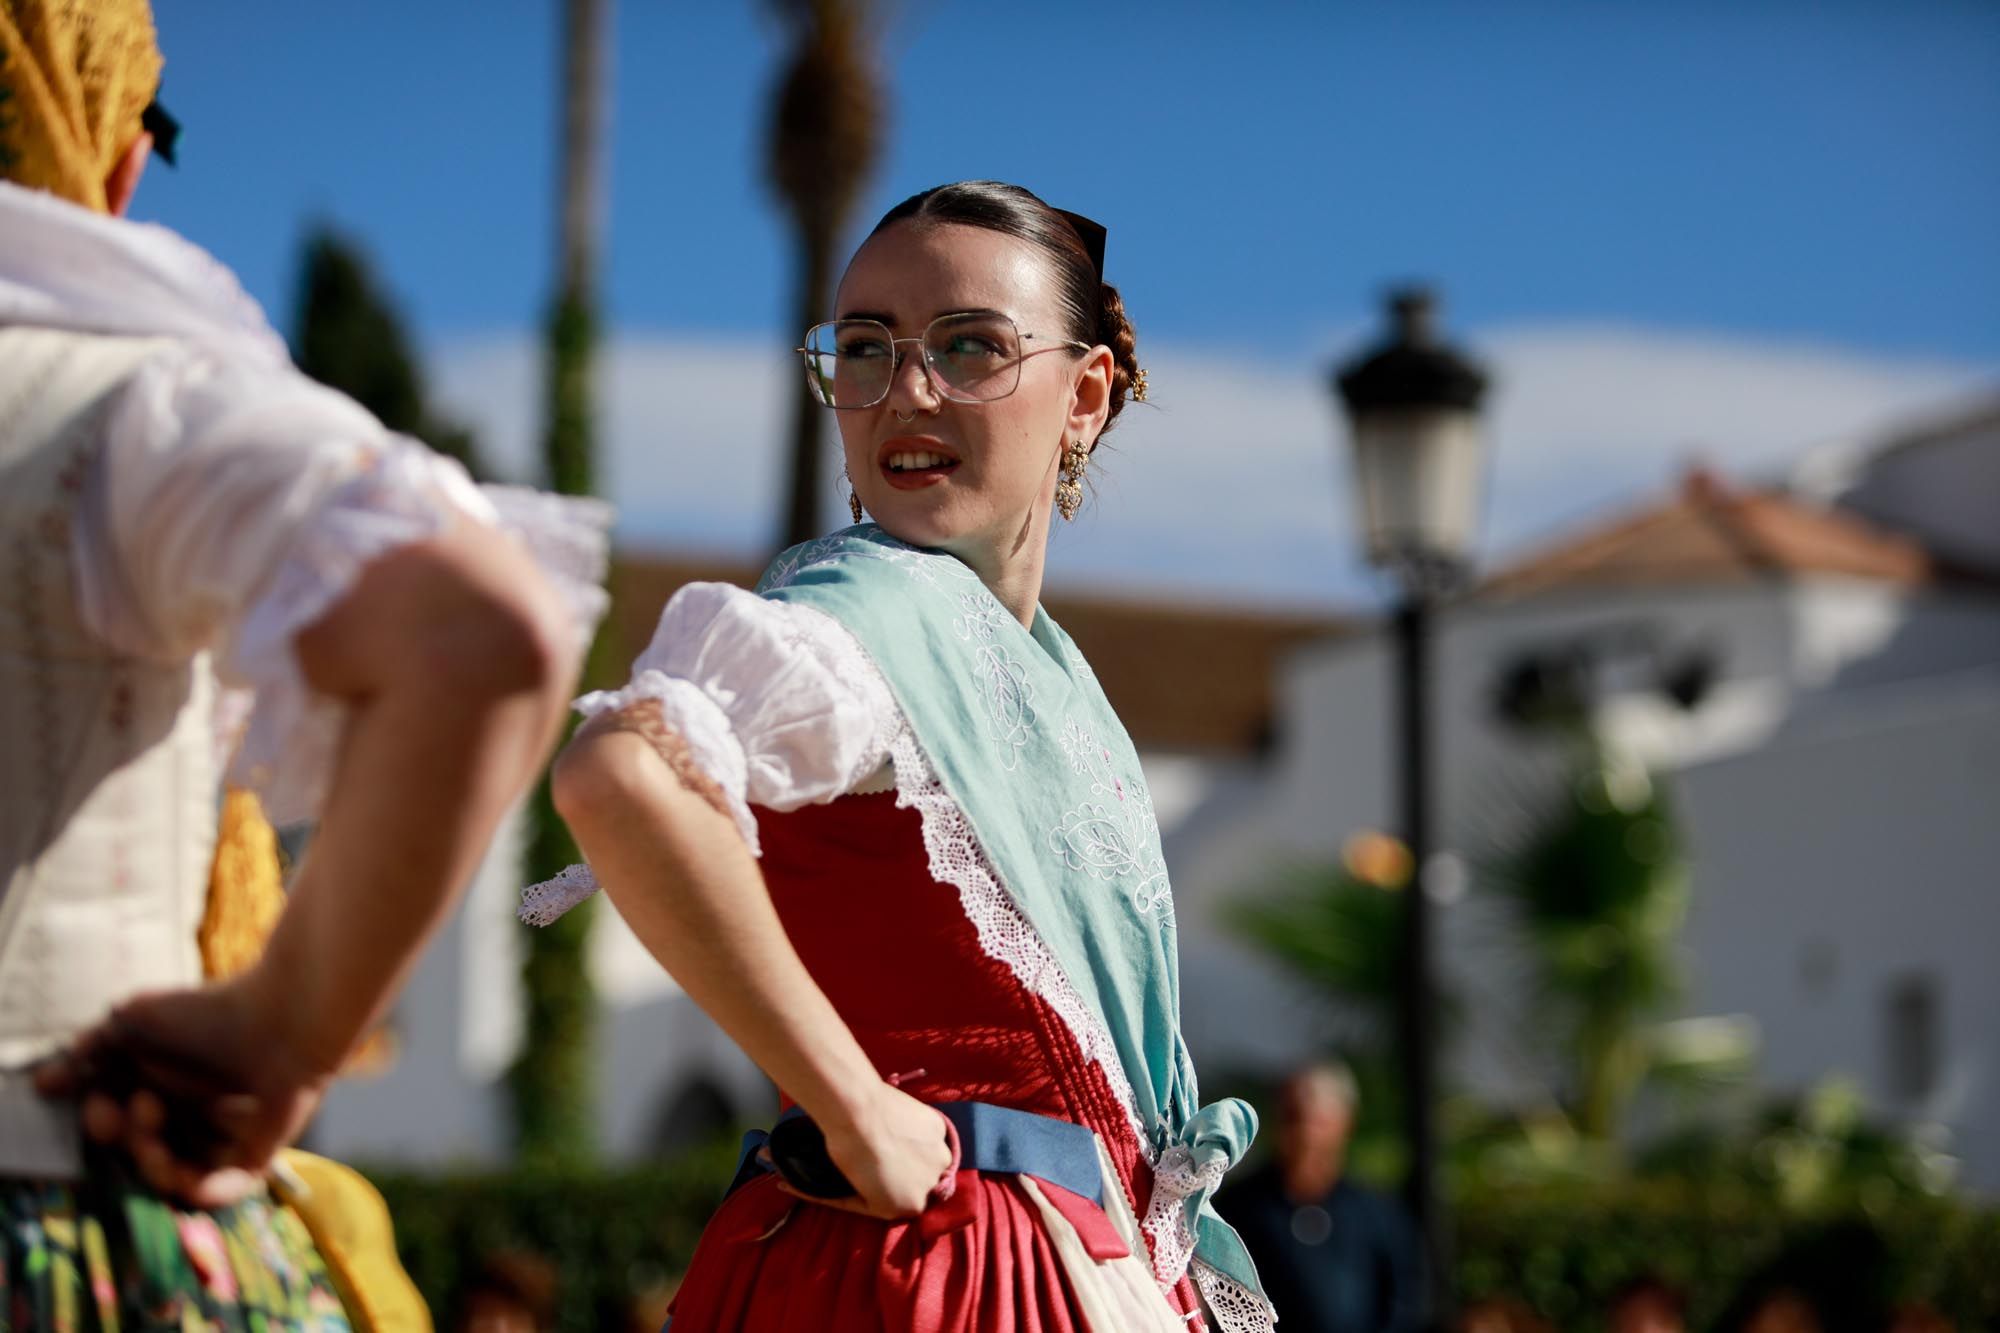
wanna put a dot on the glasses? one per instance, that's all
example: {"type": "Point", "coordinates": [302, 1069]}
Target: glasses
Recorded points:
{"type": "Point", "coordinates": [971, 358]}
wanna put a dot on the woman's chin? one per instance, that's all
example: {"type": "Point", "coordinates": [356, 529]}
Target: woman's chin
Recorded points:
{"type": "Point", "coordinates": [912, 529]}
{"type": "Point", "coordinates": [917, 524]}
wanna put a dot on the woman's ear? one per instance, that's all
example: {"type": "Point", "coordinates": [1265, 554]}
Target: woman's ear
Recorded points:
{"type": "Point", "coordinates": [123, 182]}
{"type": "Point", "coordinates": [1090, 405]}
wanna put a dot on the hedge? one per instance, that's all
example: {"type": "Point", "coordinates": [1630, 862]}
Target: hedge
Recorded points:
{"type": "Point", "coordinates": [619, 1238]}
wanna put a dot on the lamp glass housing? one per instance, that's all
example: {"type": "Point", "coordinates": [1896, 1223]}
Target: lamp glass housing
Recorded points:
{"type": "Point", "coordinates": [1419, 474]}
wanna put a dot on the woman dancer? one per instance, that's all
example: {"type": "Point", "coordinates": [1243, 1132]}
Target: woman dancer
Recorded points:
{"type": "Point", "coordinates": [880, 822]}
{"type": "Point", "coordinates": [189, 527]}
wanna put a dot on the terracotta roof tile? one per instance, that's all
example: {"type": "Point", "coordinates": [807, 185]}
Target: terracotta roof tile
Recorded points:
{"type": "Point", "coordinates": [1710, 533]}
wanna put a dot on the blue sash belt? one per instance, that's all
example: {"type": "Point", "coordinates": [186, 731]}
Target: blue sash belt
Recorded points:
{"type": "Point", "coordinates": [990, 1138]}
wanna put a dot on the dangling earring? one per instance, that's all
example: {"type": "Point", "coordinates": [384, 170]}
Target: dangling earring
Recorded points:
{"type": "Point", "coordinates": [853, 499]}
{"type": "Point", "coordinates": [1069, 490]}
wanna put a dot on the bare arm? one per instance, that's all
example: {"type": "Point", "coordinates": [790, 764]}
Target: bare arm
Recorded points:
{"type": "Point", "coordinates": [683, 879]}
{"type": "Point", "coordinates": [452, 658]}
{"type": "Point", "coordinates": [450, 654]}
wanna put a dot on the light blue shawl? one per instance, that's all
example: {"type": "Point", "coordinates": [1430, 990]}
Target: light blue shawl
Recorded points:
{"type": "Point", "coordinates": [1018, 731]}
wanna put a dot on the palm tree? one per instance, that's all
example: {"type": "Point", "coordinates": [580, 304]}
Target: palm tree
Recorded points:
{"type": "Point", "coordinates": [552, 1081]}
{"type": "Point", "coordinates": [824, 137]}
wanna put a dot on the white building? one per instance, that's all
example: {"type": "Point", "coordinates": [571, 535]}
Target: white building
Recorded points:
{"type": "Point", "coordinates": [1839, 781]}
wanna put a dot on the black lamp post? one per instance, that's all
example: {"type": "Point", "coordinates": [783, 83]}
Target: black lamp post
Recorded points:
{"type": "Point", "coordinates": [1419, 467]}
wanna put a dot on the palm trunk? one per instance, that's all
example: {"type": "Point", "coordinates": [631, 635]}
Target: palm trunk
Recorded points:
{"type": "Point", "coordinates": [805, 493]}
{"type": "Point", "coordinates": [552, 1082]}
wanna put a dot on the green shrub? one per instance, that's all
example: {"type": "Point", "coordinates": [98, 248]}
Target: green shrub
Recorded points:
{"type": "Point", "coordinates": [1566, 1251]}
{"type": "Point", "coordinates": [612, 1235]}
{"type": "Point", "coordinates": [615, 1235]}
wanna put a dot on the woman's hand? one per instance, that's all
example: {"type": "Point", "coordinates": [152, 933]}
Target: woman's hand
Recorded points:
{"type": "Point", "coordinates": [894, 1150]}
{"type": "Point", "coordinates": [201, 1088]}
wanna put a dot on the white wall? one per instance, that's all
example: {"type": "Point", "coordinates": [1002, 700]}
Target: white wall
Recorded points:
{"type": "Point", "coordinates": [1814, 722]}
{"type": "Point", "coordinates": [1946, 491]}
{"type": "Point", "coordinates": [1839, 860]}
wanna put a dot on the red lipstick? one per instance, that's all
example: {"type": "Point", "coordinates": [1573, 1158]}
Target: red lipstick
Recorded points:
{"type": "Point", "coordinates": [912, 462]}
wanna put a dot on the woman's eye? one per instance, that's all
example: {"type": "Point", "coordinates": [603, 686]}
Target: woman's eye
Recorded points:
{"type": "Point", "coordinates": [863, 349]}
{"type": "Point", "coordinates": [967, 345]}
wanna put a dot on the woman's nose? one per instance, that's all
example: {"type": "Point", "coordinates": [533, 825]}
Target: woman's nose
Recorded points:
{"type": "Point", "coordinates": [910, 387]}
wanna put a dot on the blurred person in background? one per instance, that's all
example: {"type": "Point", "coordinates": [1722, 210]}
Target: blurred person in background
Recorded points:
{"type": "Point", "coordinates": [208, 556]}
{"type": "Point", "coordinates": [1838, 1277]}
{"type": "Point", "coordinates": [1919, 1317]}
{"type": "Point", "coordinates": [1779, 1310]}
{"type": "Point", "coordinates": [1646, 1304]}
{"type": "Point", "coordinates": [513, 1291]}
{"type": "Point", "coordinates": [879, 820]}
{"type": "Point", "coordinates": [1500, 1315]}
{"type": "Point", "coordinates": [1336, 1256]}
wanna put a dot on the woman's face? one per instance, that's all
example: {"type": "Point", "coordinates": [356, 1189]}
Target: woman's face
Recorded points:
{"type": "Point", "coordinates": [970, 478]}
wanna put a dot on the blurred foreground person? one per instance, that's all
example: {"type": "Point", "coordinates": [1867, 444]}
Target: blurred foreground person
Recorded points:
{"type": "Point", "coordinates": [1336, 1256]}
{"type": "Point", "coordinates": [205, 554]}
{"type": "Point", "coordinates": [882, 824]}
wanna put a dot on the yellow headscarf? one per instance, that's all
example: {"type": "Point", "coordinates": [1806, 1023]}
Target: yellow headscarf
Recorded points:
{"type": "Point", "coordinates": [75, 76]}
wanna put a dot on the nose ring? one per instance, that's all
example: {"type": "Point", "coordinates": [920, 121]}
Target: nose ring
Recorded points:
{"type": "Point", "coordinates": [906, 420]}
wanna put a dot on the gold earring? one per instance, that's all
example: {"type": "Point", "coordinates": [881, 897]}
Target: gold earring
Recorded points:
{"type": "Point", "coordinates": [854, 504]}
{"type": "Point", "coordinates": [1069, 490]}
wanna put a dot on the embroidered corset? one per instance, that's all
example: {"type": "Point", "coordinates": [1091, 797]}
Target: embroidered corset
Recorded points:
{"type": "Point", "coordinates": [107, 777]}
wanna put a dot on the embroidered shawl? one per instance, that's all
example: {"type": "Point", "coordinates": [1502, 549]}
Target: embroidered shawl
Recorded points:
{"type": "Point", "coordinates": [1016, 728]}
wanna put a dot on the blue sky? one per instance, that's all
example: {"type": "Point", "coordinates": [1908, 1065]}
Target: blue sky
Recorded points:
{"type": "Point", "coordinates": [1814, 179]}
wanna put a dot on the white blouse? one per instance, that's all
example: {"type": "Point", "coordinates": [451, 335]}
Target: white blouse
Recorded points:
{"type": "Point", "coordinates": [234, 504]}
{"type": "Point", "coordinates": [234, 500]}
{"type": "Point", "coordinates": [777, 702]}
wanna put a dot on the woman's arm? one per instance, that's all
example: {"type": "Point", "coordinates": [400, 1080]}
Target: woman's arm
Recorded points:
{"type": "Point", "coordinates": [454, 660]}
{"type": "Point", "coordinates": [681, 876]}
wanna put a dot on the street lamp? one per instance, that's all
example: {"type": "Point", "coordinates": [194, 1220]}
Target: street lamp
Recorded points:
{"type": "Point", "coordinates": [1419, 467]}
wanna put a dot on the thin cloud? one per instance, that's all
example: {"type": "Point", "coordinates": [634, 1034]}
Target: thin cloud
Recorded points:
{"type": "Point", "coordinates": [1234, 486]}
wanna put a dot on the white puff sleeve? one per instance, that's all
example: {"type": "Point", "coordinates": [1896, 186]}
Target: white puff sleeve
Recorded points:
{"type": "Point", "coordinates": [236, 502]}
{"type": "Point", "coordinates": [776, 704]}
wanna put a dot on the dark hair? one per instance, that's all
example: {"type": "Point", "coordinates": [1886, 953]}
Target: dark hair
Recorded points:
{"type": "Point", "coordinates": [1094, 310]}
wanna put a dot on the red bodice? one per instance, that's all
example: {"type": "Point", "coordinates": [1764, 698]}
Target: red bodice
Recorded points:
{"type": "Point", "coordinates": [895, 952]}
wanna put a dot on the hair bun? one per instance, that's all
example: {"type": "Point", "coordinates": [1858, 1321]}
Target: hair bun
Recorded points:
{"type": "Point", "coordinates": [1114, 330]}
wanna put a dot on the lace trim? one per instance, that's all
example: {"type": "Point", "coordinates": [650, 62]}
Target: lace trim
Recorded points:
{"type": "Point", "coordinates": [1234, 1307]}
{"type": "Point", "coordinates": [542, 903]}
{"type": "Point", "coordinates": [1175, 1179]}
{"type": "Point", "coordinates": [645, 720]}
{"type": "Point", "coordinates": [643, 714]}
{"type": "Point", "coordinates": [692, 734]}
{"type": "Point", "coordinates": [1005, 935]}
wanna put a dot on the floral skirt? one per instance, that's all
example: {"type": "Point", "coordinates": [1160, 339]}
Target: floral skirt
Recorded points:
{"type": "Point", "coordinates": [107, 1256]}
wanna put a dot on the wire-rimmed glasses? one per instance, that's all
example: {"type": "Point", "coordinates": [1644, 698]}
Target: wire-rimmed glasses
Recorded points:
{"type": "Point", "coordinates": [971, 357]}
